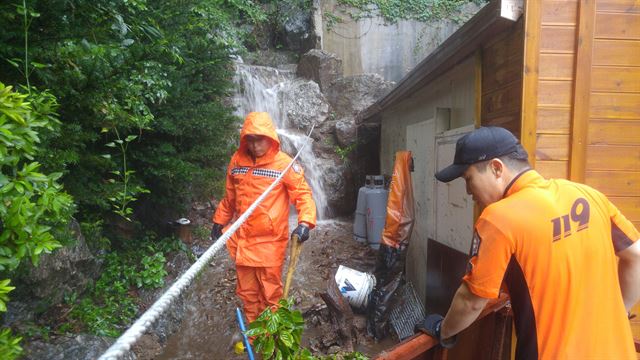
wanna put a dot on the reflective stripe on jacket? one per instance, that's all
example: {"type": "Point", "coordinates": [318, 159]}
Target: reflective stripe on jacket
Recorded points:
{"type": "Point", "coordinates": [262, 239]}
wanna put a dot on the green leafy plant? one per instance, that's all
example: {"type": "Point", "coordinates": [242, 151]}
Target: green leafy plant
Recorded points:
{"type": "Point", "coordinates": [331, 20]}
{"type": "Point", "coordinates": [343, 152]}
{"type": "Point", "coordinates": [5, 289]}
{"type": "Point", "coordinates": [110, 306]}
{"type": "Point", "coordinates": [278, 333]}
{"type": "Point", "coordinates": [201, 232]}
{"type": "Point", "coordinates": [9, 345]}
{"type": "Point", "coordinates": [161, 67]}
{"type": "Point", "coordinates": [37, 331]}
{"type": "Point", "coordinates": [33, 202]}
{"type": "Point", "coordinates": [127, 192]}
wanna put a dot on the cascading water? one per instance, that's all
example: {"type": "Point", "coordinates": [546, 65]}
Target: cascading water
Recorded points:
{"type": "Point", "coordinates": [257, 90]}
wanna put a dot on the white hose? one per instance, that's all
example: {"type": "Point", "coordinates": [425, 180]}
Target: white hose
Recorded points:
{"type": "Point", "coordinates": [123, 345]}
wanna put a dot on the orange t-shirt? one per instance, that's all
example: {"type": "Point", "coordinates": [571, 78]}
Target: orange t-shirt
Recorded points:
{"type": "Point", "coordinates": [553, 243]}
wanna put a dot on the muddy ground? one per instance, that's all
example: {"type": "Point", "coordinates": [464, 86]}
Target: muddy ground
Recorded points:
{"type": "Point", "coordinates": [209, 328]}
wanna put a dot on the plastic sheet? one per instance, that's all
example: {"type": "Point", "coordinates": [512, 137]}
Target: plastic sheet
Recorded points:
{"type": "Point", "coordinates": [400, 205]}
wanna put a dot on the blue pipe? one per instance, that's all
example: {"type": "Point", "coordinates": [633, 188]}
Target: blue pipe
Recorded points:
{"type": "Point", "coordinates": [245, 340]}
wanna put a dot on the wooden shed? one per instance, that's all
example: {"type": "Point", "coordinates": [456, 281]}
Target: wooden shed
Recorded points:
{"type": "Point", "coordinates": [563, 75]}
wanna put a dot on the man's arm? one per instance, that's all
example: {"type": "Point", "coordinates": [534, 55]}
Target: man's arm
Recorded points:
{"type": "Point", "coordinates": [629, 274]}
{"type": "Point", "coordinates": [227, 206]}
{"type": "Point", "coordinates": [300, 194]}
{"type": "Point", "coordinates": [465, 309]}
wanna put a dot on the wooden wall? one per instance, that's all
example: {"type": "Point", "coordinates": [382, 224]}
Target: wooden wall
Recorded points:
{"type": "Point", "coordinates": [557, 56]}
{"type": "Point", "coordinates": [612, 161]}
{"type": "Point", "coordinates": [502, 58]}
{"type": "Point", "coordinates": [587, 94]}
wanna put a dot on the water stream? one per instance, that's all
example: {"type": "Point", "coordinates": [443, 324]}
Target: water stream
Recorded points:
{"type": "Point", "coordinates": [257, 90]}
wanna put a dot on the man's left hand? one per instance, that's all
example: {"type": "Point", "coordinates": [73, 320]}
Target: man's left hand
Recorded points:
{"type": "Point", "coordinates": [302, 231]}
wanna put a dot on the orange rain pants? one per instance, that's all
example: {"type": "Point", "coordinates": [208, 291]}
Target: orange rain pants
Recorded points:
{"type": "Point", "coordinates": [258, 288]}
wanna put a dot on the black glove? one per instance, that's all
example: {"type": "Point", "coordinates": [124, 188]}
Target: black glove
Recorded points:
{"type": "Point", "coordinates": [431, 326]}
{"type": "Point", "coordinates": [302, 231]}
{"type": "Point", "coordinates": [216, 231]}
{"type": "Point", "coordinates": [387, 256]}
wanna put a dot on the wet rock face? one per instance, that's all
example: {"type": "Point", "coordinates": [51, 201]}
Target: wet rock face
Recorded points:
{"type": "Point", "coordinates": [77, 347]}
{"type": "Point", "coordinates": [352, 94]}
{"type": "Point", "coordinates": [299, 32]}
{"type": "Point", "coordinates": [66, 270]}
{"type": "Point", "coordinates": [336, 174]}
{"type": "Point", "coordinates": [303, 105]}
{"type": "Point", "coordinates": [345, 131]}
{"type": "Point", "coordinates": [321, 67]}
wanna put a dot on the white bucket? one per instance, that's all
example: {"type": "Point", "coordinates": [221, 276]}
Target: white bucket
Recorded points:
{"type": "Point", "coordinates": [355, 286]}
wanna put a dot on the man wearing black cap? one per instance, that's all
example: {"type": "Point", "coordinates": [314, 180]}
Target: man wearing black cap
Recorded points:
{"type": "Point", "coordinates": [568, 258]}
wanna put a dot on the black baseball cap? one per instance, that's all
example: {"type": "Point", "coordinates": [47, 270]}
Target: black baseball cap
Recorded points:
{"type": "Point", "coordinates": [482, 144]}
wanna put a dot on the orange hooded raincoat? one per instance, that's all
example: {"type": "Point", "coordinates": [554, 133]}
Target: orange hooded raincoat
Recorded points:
{"type": "Point", "coordinates": [261, 242]}
{"type": "Point", "coordinates": [262, 239]}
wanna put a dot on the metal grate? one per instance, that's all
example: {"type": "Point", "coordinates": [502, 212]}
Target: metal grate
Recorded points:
{"type": "Point", "coordinates": [407, 313]}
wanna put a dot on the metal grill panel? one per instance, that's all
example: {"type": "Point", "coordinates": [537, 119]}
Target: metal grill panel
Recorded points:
{"type": "Point", "coordinates": [407, 313]}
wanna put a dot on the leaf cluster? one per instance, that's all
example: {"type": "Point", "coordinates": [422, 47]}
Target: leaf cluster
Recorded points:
{"type": "Point", "coordinates": [9, 345]}
{"type": "Point", "coordinates": [110, 306]}
{"type": "Point", "coordinates": [33, 202]}
{"type": "Point", "coordinates": [160, 71]}
{"type": "Point", "coordinates": [278, 332]}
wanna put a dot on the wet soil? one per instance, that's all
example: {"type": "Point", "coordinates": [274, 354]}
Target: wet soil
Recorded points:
{"type": "Point", "coordinates": [209, 328]}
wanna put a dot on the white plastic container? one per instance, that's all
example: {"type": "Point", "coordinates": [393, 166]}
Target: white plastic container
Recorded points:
{"type": "Point", "coordinates": [355, 286]}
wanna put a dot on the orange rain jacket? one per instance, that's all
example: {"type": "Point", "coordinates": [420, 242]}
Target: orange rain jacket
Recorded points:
{"type": "Point", "coordinates": [262, 240]}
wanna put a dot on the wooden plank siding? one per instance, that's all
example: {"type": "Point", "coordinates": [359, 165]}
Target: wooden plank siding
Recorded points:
{"type": "Point", "coordinates": [502, 62]}
{"type": "Point", "coordinates": [558, 26]}
{"type": "Point", "coordinates": [613, 132]}
{"type": "Point", "coordinates": [613, 140]}
{"type": "Point", "coordinates": [588, 96]}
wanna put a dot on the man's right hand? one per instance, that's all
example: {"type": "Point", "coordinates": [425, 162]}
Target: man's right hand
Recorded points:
{"type": "Point", "coordinates": [216, 231]}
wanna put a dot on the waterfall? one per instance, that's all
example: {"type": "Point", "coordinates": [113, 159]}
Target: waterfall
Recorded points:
{"type": "Point", "coordinates": [257, 89]}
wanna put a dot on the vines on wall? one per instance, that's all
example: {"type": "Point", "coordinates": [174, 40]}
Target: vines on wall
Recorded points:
{"type": "Point", "coordinates": [392, 11]}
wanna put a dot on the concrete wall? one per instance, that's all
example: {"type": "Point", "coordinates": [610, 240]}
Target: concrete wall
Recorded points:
{"type": "Point", "coordinates": [441, 108]}
{"type": "Point", "coordinates": [370, 46]}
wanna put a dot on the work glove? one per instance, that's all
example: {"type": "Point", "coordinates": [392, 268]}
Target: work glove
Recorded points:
{"type": "Point", "coordinates": [387, 256]}
{"type": "Point", "coordinates": [302, 231]}
{"type": "Point", "coordinates": [431, 325]}
{"type": "Point", "coordinates": [216, 231]}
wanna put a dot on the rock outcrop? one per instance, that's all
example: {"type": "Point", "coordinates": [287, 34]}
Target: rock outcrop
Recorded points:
{"type": "Point", "coordinates": [320, 66]}
{"type": "Point", "coordinates": [76, 347]}
{"type": "Point", "coordinates": [303, 105]}
{"type": "Point", "coordinates": [352, 94]}
{"type": "Point", "coordinates": [66, 270]}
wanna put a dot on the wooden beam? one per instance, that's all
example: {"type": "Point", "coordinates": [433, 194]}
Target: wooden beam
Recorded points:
{"type": "Point", "coordinates": [478, 88]}
{"type": "Point", "coordinates": [582, 90]}
{"type": "Point", "coordinates": [478, 111]}
{"type": "Point", "coordinates": [528, 123]}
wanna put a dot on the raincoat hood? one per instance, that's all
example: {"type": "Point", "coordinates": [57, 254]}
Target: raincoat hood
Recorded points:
{"type": "Point", "coordinates": [259, 123]}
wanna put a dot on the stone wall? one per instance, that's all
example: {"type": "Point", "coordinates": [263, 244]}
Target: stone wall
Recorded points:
{"type": "Point", "coordinates": [370, 46]}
